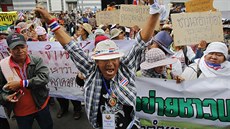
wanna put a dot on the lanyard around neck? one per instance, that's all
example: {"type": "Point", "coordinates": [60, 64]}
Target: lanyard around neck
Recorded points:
{"type": "Point", "coordinates": [22, 71]}
{"type": "Point", "coordinates": [106, 87]}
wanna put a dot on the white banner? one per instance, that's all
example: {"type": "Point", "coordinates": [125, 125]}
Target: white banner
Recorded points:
{"type": "Point", "coordinates": [191, 104]}
{"type": "Point", "coordinates": [62, 69]}
{"type": "Point", "coordinates": [202, 103]}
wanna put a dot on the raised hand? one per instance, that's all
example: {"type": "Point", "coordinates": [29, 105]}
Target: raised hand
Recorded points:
{"type": "Point", "coordinates": [44, 14]}
{"type": "Point", "coordinates": [156, 8]}
{"type": "Point", "coordinates": [202, 44]}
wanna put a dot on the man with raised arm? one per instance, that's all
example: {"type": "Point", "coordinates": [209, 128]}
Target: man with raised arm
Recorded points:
{"type": "Point", "coordinates": [110, 91]}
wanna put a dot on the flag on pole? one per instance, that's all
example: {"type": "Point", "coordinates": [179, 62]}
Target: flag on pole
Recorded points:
{"type": "Point", "coordinates": [21, 15]}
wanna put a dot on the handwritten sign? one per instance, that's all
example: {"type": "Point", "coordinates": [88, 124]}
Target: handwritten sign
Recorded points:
{"type": "Point", "coordinates": [107, 17]}
{"type": "Point", "coordinates": [62, 69]}
{"type": "Point", "coordinates": [191, 28]}
{"type": "Point", "coordinates": [199, 6]}
{"type": "Point", "coordinates": [131, 15]}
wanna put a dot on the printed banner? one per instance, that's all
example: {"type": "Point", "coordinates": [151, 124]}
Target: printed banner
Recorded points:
{"type": "Point", "coordinates": [62, 69]}
{"type": "Point", "coordinates": [197, 104]}
{"type": "Point", "coordinates": [199, 6]}
{"type": "Point", "coordinates": [7, 18]}
{"type": "Point", "coordinates": [201, 103]}
{"type": "Point", "coordinates": [191, 28]}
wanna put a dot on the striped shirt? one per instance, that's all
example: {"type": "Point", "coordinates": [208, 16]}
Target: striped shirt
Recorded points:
{"type": "Point", "coordinates": [125, 91]}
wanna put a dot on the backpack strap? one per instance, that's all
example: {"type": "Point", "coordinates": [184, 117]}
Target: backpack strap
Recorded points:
{"type": "Point", "coordinates": [185, 55]}
{"type": "Point", "coordinates": [198, 71]}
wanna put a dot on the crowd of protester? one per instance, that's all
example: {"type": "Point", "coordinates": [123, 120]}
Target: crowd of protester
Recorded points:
{"type": "Point", "coordinates": [160, 58]}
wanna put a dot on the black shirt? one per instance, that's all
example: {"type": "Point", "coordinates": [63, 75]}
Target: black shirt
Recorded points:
{"type": "Point", "coordinates": [122, 113]}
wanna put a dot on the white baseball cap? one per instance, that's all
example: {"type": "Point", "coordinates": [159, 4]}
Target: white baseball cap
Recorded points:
{"type": "Point", "coordinates": [40, 30]}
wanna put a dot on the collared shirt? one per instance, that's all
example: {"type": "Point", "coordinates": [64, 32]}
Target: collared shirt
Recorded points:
{"type": "Point", "coordinates": [25, 105]}
{"type": "Point", "coordinates": [126, 94]}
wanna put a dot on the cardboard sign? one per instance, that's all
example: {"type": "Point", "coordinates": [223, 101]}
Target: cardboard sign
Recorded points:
{"type": "Point", "coordinates": [107, 17]}
{"type": "Point", "coordinates": [191, 28]}
{"type": "Point", "coordinates": [131, 15]}
{"type": "Point", "coordinates": [199, 6]}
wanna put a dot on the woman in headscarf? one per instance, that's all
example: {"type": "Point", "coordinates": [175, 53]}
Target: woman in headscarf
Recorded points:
{"type": "Point", "coordinates": [212, 64]}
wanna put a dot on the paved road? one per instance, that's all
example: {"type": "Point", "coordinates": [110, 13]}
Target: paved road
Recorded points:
{"type": "Point", "coordinates": [66, 122]}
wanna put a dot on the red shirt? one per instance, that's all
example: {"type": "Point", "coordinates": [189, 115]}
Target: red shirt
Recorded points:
{"type": "Point", "coordinates": [25, 105]}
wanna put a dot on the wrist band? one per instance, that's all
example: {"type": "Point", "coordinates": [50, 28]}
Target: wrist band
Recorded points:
{"type": "Point", "coordinates": [54, 25]}
{"type": "Point", "coordinates": [24, 83]}
{"type": "Point", "coordinates": [51, 21]}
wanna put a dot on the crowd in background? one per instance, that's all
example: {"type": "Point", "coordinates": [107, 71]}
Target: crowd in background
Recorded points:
{"type": "Point", "coordinates": [82, 27]}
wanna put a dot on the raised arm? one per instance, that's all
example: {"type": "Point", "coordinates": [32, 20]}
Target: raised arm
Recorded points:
{"type": "Point", "coordinates": [60, 34]}
{"type": "Point", "coordinates": [148, 29]}
{"type": "Point", "coordinates": [146, 33]}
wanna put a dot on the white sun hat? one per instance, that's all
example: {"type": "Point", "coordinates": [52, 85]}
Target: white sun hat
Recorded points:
{"type": "Point", "coordinates": [99, 32]}
{"type": "Point", "coordinates": [106, 50]}
{"type": "Point", "coordinates": [114, 33]}
{"type": "Point", "coordinates": [87, 27]}
{"type": "Point", "coordinates": [40, 30]}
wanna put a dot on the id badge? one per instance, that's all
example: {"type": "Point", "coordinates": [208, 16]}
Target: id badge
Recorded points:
{"type": "Point", "coordinates": [108, 121]}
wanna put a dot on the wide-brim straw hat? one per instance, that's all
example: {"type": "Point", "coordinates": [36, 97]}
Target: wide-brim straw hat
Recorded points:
{"type": "Point", "coordinates": [155, 57]}
{"type": "Point", "coordinates": [87, 27]}
{"type": "Point", "coordinates": [114, 33]}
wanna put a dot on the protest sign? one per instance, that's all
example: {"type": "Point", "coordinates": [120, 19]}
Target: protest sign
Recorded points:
{"type": "Point", "coordinates": [131, 15]}
{"type": "Point", "coordinates": [62, 69]}
{"type": "Point", "coordinates": [107, 17]}
{"type": "Point", "coordinates": [200, 103]}
{"type": "Point", "coordinates": [199, 6]}
{"type": "Point", "coordinates": [6, 19]}
{"type": "Point", "coordinates": [191, 28]}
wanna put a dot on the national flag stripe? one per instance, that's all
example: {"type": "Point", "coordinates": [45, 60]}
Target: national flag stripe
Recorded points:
{"type": "Point", "coordinates": [124, 82]}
